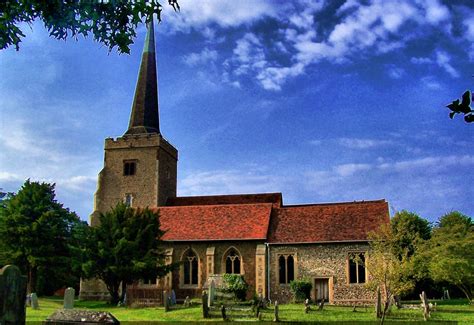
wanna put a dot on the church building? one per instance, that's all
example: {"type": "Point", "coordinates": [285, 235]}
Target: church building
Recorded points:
{"type": "Point", "coordinates": [255, 235]}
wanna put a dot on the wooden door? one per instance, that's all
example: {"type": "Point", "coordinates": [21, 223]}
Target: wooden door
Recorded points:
{"type": "Point", "coordinates": [321, 287]}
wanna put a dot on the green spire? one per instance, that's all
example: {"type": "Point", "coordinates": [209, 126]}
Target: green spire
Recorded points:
{"type": "Point", "coordinates": [144, 118]}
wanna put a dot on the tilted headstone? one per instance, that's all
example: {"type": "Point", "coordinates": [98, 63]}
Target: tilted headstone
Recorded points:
{"type": "Point", "coordinates": [34, 301]}
{"type": "Point", "coordinates": [12, 295]}
{"type": "Point", "coordinates": [307, 307]}
{"type": "Point", "coordinates": [425, 305]}
{"type": "Point", "coordinates": [276, 318]}
{"type": "Point", "coordinates": [173, 298]}
{"type": "Point", "coordinates": [69, 298]}
{"type": "Point", "coordinates": [187, 302]}
{"type": "Point", "coordinates": [211, 294]}
{"type": "Point", "coordinates": [76, 316]}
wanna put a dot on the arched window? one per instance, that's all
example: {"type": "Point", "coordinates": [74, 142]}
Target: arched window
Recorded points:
{"type": "Point", "coordinates": [190, 265]}
{"type": "Point", "coordinates": [233, 262]}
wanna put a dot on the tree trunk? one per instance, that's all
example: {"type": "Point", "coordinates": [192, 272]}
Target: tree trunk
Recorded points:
{"type": "Point", "coordinates": [124, 291]}
{"type": "Point", "coordinates": [467, 293]}
{"type": "Point", "coordinates": [113, 289]}
{"type": "Point", "coordinates": [384, 312]}
{"type": "Point", "coordinates": [32, 278]}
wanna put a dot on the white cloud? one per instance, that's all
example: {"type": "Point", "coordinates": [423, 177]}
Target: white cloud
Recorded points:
{"type": "Point", "coordinates": [203, 57]}
{"type": "Point", "coordinates": [430, 82]}
{"type": "Point", "coordinates": [435, 11]}
{"type": "Point", "coordinates": [197, 15]}
{"type": "Point", "coordinates": [351, 169]}
{"type": "Point", "coordinates": [421, 60]}
{"type": "Point", "coordinates": [228, 182]}
{"type": "Point", "coordinates": [443, 60]}
{"type": "Point", "coordinates": [371, 28]}
{"type": "Point", "coordinates": [395, 72]}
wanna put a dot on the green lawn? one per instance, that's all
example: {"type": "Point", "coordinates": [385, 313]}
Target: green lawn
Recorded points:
{"type": "Point", "coordinates": [452, 311]}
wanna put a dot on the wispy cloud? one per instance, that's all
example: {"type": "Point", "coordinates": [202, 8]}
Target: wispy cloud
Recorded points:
{"type": "Point", "coordinates": [443, 59]}
{"type": "Point", "coordinates": [356, 143]}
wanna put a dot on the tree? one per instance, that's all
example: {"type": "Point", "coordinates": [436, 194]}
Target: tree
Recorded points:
{"type": "Point", "coordinates": [388, 271]}
{"type": "Point", "coordinates": [35, 231]}
{"type": "Point", "coordinates": [112, 23]}
{"type": "Point", "coordinates": [408, 230]}
{"type": "Point", "coordinates": [451, 252]}
{"type": "Point", "coordinates": [124, 248]}
{"type": "Point", "coordinates": [463, 107]}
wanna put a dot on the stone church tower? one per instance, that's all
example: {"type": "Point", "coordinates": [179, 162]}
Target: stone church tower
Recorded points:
{"type": "Point", "coordinates": [140, 168]}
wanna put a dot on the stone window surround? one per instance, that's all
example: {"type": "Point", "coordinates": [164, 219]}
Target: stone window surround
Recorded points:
{"type": "Point", "coordinates": [348, 278]}
{"type": "Point", "coordinates": [224, 258]}
{"type": "Point", "coordinates": [295, 264]}
{"type": "Point", "coordinates": [181, 271]}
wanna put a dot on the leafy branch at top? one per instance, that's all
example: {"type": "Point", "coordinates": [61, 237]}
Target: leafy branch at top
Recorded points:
{"type": "Point", "coordinates": [112, 23]}
{"type": "Point", "coordinates": [462, 107]}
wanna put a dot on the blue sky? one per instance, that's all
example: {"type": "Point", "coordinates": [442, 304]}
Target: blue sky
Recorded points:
{"type": "Point", "coordinates": [324, 101]}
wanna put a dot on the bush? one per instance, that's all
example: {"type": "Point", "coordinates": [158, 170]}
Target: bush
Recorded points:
{"type": "Point", "coordinates": [301, 289]}
{"type": "Point", "coordinates": [235, 283]}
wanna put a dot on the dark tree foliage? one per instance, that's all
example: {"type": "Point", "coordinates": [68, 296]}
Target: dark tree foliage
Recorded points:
{"type": "Point", "coordinates": [112, 23]}
{"type": "Point", "coordinates": [36, 235]}
{"type": "Point", "coordinates": [409, 229]}
{"type": "Point", "coordinates": [462, 107]}
{"type": "Point", "coordinates": [125, 248]}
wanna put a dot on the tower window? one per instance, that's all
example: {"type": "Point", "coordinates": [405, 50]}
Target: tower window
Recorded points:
{"type": "Point", "coordinates": [129, 168]}
{"type": "Point", "coordinates": [128, 199]}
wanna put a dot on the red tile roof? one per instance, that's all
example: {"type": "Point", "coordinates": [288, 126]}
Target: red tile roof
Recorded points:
{"type": "Point", "coordinates": [215, 222]}
{"type": "Point", "coordinates": [327, 222]}
{"type": "Point", "coordinates": [275, 198]}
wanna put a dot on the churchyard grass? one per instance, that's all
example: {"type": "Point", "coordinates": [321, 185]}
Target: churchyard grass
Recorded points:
{"type": "Point", "coordinates": [454, 310]}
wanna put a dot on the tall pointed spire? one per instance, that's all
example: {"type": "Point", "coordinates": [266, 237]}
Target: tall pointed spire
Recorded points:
{"type": "Point", "coordinates": [144, 117]}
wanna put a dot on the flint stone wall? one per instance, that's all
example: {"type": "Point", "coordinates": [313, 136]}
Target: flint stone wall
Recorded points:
{"type": "Point", "coordinates": [321, 261]}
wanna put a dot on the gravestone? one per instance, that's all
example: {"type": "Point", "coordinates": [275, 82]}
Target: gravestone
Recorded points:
{"type": "Point", "coordinates": [166, 301]}
{"type": "Point", "coordinates": [224, 315]}
{"type": "Point", "coordinates": [34, 301]}
{"type": "Point", "coordinates": [69, 298]}
{"type": "Point", "coordinates": [211, 294]}
{"type": "Point", "coordinates": [425, 305]}
{"type": "Point", "coordinates": [276, 318]}
{"type": "Point", "coordinates": [307, 306]}
{"type": "Point", "coordinates": [173, 298]}
{"type": "Point", "coordinates": [187, 302]}
{"type": "Point", "coordinates": [12, 295]}
{"type": "Point", "coordinates": [75, 316]}
{"type": "Point", "coordinates": [205, 307]}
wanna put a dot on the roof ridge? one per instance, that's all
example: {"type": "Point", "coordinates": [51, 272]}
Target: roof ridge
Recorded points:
{"type": "Point", "coordinates": [212, 205]}
{"type": "Point", "coordinates": [334, 203]}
